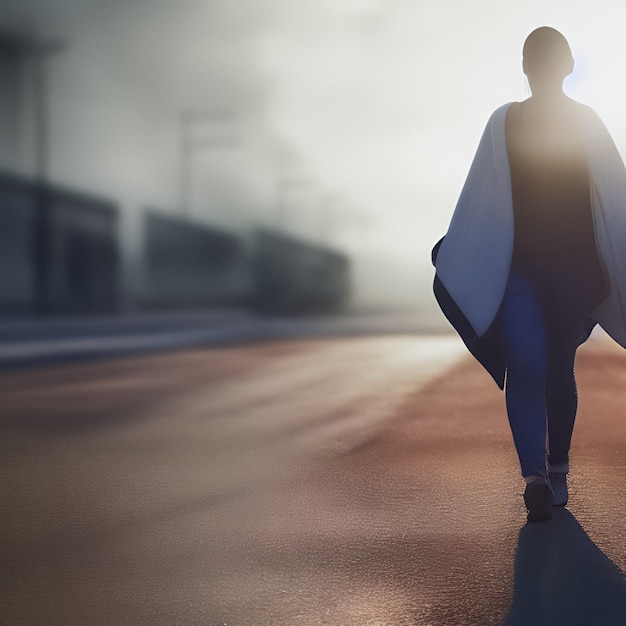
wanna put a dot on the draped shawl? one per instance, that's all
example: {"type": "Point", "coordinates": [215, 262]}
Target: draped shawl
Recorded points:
{"type": "Point", "coordinates": [473, 260]}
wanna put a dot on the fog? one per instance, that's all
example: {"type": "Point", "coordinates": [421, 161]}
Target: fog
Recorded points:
{"type": "Point", "coordinates": [348, 122]}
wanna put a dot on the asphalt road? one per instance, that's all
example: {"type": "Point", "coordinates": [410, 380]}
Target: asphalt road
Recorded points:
{"type": "Point", "coordinates": [342, 482]}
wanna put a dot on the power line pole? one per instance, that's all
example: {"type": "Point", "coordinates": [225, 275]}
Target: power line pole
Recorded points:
{"type": "Point", "coordinates": [189, 145]}
{"type": "Point", "coordinates": [39, 52]}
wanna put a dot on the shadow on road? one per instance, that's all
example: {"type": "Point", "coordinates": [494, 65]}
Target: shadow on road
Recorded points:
{"type": "Point", "coordinates": [562, 577]}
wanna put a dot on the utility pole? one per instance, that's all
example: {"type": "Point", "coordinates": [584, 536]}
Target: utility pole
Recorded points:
{"type": "Point", "coordinates": [189, 145]}
{"type": "Point", "coordinates": [39, 52]}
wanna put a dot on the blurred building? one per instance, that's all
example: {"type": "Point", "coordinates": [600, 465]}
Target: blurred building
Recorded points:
{"type": "Point", "coordinates": [60, 254]}
{"type": "Point", "coordinates": [294, 276]}
{"type": "Point", "coordinates": [190, 265]}
{"type": "Point", "coordinates": [59, 250]}
{"type": "Point", "coordinates": [186, 264]}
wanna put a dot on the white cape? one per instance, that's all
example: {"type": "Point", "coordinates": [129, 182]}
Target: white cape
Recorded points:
{"type": "Point", "coordinates": [475, 256]}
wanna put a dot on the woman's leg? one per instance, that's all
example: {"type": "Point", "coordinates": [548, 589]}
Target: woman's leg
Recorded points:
{"type": "Point", "coordinates": [561, 405]}
{"type": "Point", "coordinates": [566, 317]}
{"type": "Point", "coordinates": [567, 313]}
{"type": "Point", "coordinates": [521, 334]}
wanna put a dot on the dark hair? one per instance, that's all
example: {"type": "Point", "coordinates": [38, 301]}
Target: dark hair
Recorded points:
{"type": "Point", "coordinates": [547, 53]}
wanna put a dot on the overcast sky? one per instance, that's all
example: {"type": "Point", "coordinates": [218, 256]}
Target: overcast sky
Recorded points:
{"type": "Point", "coordinates": [368, 111]}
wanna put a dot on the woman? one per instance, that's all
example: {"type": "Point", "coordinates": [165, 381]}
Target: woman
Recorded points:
{"type": "Point", "coordinates": [533, 259]}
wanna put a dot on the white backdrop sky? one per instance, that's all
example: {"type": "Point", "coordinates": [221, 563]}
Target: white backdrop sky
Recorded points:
{"type": "Point", "coordinates": [379, 103]}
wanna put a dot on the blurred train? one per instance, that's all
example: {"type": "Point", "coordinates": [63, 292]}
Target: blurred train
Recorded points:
{"type": "Point", "coordinates": [60, 254]}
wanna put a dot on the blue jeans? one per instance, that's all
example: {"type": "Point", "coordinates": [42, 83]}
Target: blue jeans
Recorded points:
{"type": "Point", "coordinates": [539, 346]}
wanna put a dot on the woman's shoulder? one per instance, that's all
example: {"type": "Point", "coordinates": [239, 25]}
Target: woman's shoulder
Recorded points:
{"type": "Point", "coordinates": [499, 114]}
{"type": "Point", "coordinates": [503, 108]}
{"type": "Point", "coordinates": [587, 119]}
{"type": "Point", "coordinates": [566, 109]}
{"type": "Point", "coordinates": [582, 110]}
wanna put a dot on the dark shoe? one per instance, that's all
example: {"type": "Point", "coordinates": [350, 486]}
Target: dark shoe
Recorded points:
{"type": "Point", "coordinates": [538, 500]}
{"type": "Point", "coordinates": [558, 481]}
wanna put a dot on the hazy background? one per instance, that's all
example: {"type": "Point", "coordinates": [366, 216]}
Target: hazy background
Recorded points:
{"type": "Point", "coordinates": [347, 122]}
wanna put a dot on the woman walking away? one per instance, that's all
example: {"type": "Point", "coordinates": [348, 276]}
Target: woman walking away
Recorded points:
{"type": "Point", "coordinates": [535, 256]}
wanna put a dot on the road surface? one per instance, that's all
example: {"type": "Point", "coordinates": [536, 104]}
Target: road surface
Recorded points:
{"type": "Point", "coordinates": [345, 482]}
